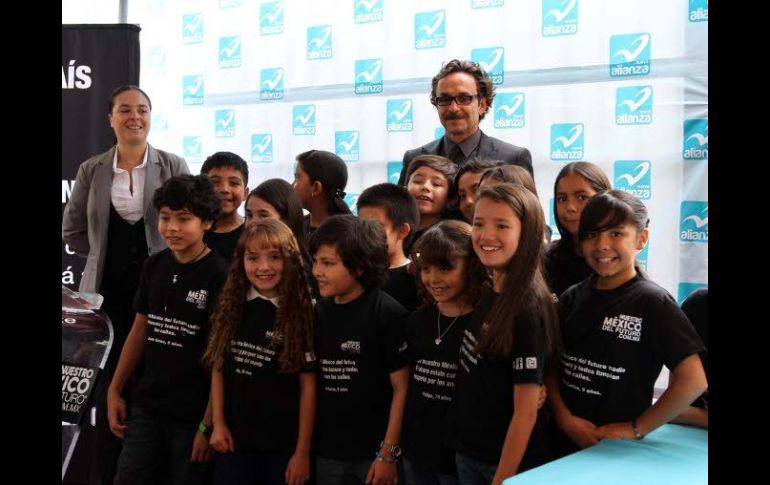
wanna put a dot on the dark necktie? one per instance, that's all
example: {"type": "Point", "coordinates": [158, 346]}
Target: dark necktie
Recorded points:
{"type": "Point", "coordinates": [457, 155]}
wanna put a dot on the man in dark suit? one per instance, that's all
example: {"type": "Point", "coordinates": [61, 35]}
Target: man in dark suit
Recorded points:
{"type": "Point", "coordinates": [462, 93]}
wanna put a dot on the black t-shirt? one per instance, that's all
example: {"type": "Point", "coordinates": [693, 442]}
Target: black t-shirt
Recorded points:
{"type": "Point", "coordinates": [261, 402]}
{"type": "Point", "coordinates": [358, 345]}
{"type": "Point", "coordinates": [177, 300]}
{"type": "Point", "coordinates": [402, 286]}
{"type": "Point", "coordinates": [697, 311]}
{"type": "Point", "coordinates": [482, 407]}
{"type": "Point", "coordinates": [224, 243]}
{"type": "Point", "coordinates": [431, 387]}
{"type": "Point", "coordinates": [561, 272]}
{"type": "Point", "coordinates": [615, 344]}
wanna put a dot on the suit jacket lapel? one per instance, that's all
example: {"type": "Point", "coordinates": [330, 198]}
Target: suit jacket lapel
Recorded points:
{"type": "Point", "coordinates": [151, 176]}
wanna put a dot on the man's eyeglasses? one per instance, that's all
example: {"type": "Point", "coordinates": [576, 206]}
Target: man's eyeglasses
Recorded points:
{"type": "Point", "coordinates": [460, 99]}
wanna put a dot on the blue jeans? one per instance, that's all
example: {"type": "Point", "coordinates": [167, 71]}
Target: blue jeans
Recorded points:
{"type": "Point", "coordinates": [157, 451]}
{"type": "Point", "coordinates": [257, 468]}
{"type": "Point", "coordinates": [341, 472]}
{"type": "Point", "coordinates": [414, 475]}
{"type": "Point", "coordinates": [471, 471]}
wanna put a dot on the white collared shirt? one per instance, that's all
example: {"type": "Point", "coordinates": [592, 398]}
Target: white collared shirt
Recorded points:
{"type": "Point", "coordinates": [253, 293]}
{"type": "Point", "coordinates": [129, 206]}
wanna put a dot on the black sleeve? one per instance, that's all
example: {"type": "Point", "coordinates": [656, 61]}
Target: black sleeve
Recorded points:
{"type": "Point", "coordinates": [394, 346]}
{"type": "Point", "coordinates": [674, 337]}
{"type": "Point", "coordinates": [141, 302]}
{"type": "Point", "coordinates": [528, 353]}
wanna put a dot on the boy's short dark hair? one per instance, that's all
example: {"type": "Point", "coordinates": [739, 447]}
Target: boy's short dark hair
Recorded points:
{"type": "Point", "coordinates": [227, 159]}
{"type": "Point", "coordinates": [361, 245]}
{"type": "Point", "coordinates": [400, 206]}
{"type": "Point", "coordinates": [476, 165]}
{"type": "Point", "coordinates": [192, 192]}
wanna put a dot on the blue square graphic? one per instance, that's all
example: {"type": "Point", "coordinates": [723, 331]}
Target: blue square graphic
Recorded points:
{"type": "Point", "coordinates": [694, 221]}
{"type": "Point", "coordinates": [303, 119]}
{"type": "Point", "coordinates": [696, 139]}
{"type": "Point", "coordinates": [319, 42]}
{"type": "Point", "coordinates": [698, 11]}
{"type": "Point", "coordinates": [430, 29]}
{"type": "Point", "coordinates": [352, 200]}
{"type": "Point", "coordinates": [635, 177]}
{"type": "Point", "coordinates": [192, 28]}
{"type": "Point", "coordinates": [224, 123]}
{"type": "Point", "coordinates": [560, 17]}
{"type": "Point", "coordinates": [399, 115]}
{"type": "Point", "coordinates": [271, 18]}
{"type": "Point", "coordinates": [346, 145]}
{"type": "Point", "coordinates": [192, 90]}
{"type": "Point", "coordinates": [567, 141]}
{"type": "Point", "coordinates": [509, 110]}
{"type": "Point", "coordinates": [271, 83]}
{"type": "Point", "coordinates": [192, 149]}
{"type": "Point", "coordinates": [633, 105]}
{"type": "Point", "coordinates": [368, 76]}
{"type": "Point", "coordinates": [630, 54]}
{"type": "Point", "coordinates": [229, 51]}
{"type": "Point", "coordinates": [366, 11]}
{"type": "Point", "coordinates": [394, 171]}
{"type": "Point", "coordinates": [492, 60]}
{"type": "Point", "coordinates": [261, 148]}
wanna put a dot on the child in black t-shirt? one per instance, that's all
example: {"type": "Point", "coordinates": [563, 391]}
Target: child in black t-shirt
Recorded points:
{"type": "Point", "coordinates": [618, 330]}
{"type": "Point", "coordinates": [230, 175]}
{"type": "Point", "coordinates": [430, 180]}
{"type": "Point", "coordinates": [393, 207]}
{"type": "Point", "coordinates": [362, 354]}
{"type": "Point", "coordinates": [320, 178]}
{"type": "Point", "coordinates": [176, 293]}
{"type": "Point", "coordinates": [262, 381]}
{"type": "Point", "coordinates": [451, 279]}
{"type": "Point", "coordinates": [507, 344]}
{"type": "Point", "coordinates": [574, 185]}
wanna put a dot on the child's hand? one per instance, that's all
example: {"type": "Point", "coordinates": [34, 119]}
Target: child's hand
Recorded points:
{"type": "Point", "coordinates": [382, 473]}
{"type": "Point", "coordinates": [116, 414]}
{"type": "Point", "coordinates": [201, 451]}
{"type": "Point", "coordinates": [298, 471]}
{"type": "Point", "coordinates": [617, 431]}
{"type": "Point", "coordinates": [583, 432]}
{"type": "Point", "coordinates": [222, 439]}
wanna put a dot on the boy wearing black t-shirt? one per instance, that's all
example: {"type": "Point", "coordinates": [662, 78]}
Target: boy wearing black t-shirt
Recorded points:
{"type": "Point", "coordinates": [392, 206]}
{"type": "Point", "coordinates": [176, 292]}
{"type": "Point", "coordinates": [230, 175]}
{"type": "Point", "coordinates": [362, 353]}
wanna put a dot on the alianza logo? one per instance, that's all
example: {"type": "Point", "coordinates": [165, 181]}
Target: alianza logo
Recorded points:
{"type": "Point", "coordinates": [271, 83]}
{"type": "Point", "coordinates": [633, 105]}
{"type": "Point", "coordinates": [319, 42]}
{"type": "Point", "coordinates": [696, 139]}
{"type": "Point", "coordinates": [192, 90]}
{"type": "Point", "coordinates": [261, 148]}
{"type": "Point", "coordinates": [368, 76]}
{"type": "Point", "coordinates": [303, 119]}
{"type": "Point", "coordinates": [487, 3]}
{"type": "Point", "coordinates": [429, 29]}
{"type": "Point", "coordinates": [346, 145]}
{"type": "Point", "coordinates": [560, 17]}
{"type": "Point", "coordinates": [694, 221]}
{"type": "Point", "coordinates": [439, 132]}
{"type": "Point", "coordinates": [492, 60]}
{"type": "Point", "coordinates": [399, 115]}
{"type": "Point", "coordinates": [351, 200]}
{"type": "Point", "coordinates": [229, 51]}
{"type": "Point", "coordinates": [394, 171]}
{"type": "Point", "coordinates": [698, 11]}
{"type": "Point", "coordinates": [365, 11]}
{"type": "Point", "coordinates": [685, 288]}
{"type": "Point", "coordinates": [509, 112]}
{"type": "Point", "coordinates": [630, 55]}
{"type": "Point", "coordinates": [567, 141]}
{"type": "Point", "coordinates": [224, 123]}
{"type": "Point", "coordinates": [192, 28]}
{"type": "Point", "coordinates": [271, 18]}
{"type": "Point", "coordinates": [192, 149]}
{"type": "Point", "coordinates": [634, 176]}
